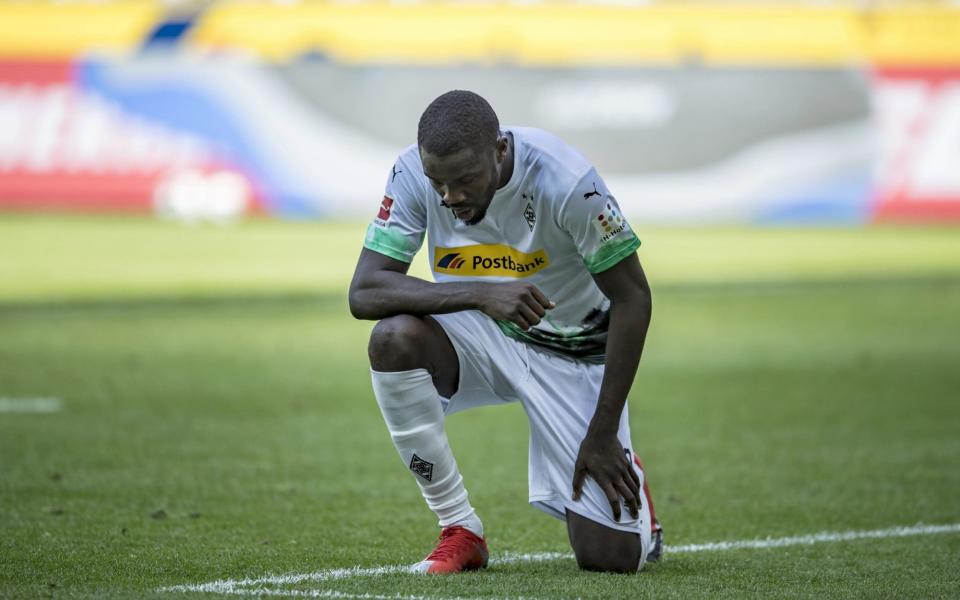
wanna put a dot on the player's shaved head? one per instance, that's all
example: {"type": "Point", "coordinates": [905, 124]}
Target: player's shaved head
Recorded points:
{"type": "Point", "coordinates": [457, 120]}
{"type": "Point", "coordinates": [464, 155]}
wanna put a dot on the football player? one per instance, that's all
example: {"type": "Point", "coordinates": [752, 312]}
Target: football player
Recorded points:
{"type": "Point", "coordinates": [539, 298]}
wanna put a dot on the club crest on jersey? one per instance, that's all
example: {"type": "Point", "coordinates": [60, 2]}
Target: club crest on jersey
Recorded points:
{"type": "Point", "coordinates": [610, 223]}
{"type": "Point", "coordinates": [528, 213]}
{"type": "Point", "coordinates": [385, 205]}
{"type": "Point", "coordinates": [488, 260]}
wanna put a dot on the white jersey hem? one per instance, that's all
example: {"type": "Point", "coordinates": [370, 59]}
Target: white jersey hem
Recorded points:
{"type": "Point", "coordinates": [556, 506]}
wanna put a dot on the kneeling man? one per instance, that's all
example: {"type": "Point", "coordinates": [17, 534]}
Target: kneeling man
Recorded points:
{"type": "Point", "coordinates": [539, 298]}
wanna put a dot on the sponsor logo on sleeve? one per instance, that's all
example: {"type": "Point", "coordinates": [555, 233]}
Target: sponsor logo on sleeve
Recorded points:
{"type": "Point", "coordinates": [610, 223]}
{"type": "Point", "coordinates": [488, 260]}
{"type": "Point", "coordinates": [384, 215]}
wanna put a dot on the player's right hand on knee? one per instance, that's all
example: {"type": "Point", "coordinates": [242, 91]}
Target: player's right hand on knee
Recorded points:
{"type": "Point", "coordinates": [518, 302]}
{"type": "Point", "coordinates": [602, 458]}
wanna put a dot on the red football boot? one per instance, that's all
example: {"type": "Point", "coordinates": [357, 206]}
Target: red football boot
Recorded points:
{"type": "Point", "coordinates": [458, 549]}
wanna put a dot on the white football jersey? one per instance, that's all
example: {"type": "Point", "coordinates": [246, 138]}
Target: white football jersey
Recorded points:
{"type": "Point", "coordinates": [553, 224]}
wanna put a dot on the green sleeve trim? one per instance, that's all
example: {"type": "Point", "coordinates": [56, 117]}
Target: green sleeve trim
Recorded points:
{"type": "Point", "coordinates": [389, 243]}
{"type": "Point", "coordinates": [611, 253]}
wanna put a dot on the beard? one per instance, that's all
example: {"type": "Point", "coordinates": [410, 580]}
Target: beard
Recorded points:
{"type": "Point", "coordinates": [481, 213]}
{"type": "Point", "coordinates": [477, 218]}
{"type": "Point", "coordinates": [491, 190]}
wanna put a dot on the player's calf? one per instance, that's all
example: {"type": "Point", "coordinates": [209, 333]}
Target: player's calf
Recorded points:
{"type": "Point", "coordinates": [405, 382]}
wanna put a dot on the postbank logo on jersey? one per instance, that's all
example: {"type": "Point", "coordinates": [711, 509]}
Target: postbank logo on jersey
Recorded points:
{"type": "Point", "coordinates": [488, 260]}
{"type": "Point", "coordinates": [610, 223]}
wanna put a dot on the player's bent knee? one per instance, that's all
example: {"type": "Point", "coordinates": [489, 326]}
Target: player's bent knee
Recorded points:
{"type": "Point", "coordinates": [396, 343]}
{"type": "Point", "coordinates": [600, 548]}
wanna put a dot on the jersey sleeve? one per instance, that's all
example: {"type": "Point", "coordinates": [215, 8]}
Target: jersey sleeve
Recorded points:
{"type": "Point", "coordinates": [398, 229]}
{"type": "Point", "coordinates": [592, 217]}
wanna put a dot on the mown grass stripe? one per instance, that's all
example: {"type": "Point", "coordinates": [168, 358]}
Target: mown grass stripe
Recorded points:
{"type": "Point", "coordinates": [329, 299]}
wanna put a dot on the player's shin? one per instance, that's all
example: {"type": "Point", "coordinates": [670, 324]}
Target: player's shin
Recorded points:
{"type": "Point", "coordinates": [412, 411]}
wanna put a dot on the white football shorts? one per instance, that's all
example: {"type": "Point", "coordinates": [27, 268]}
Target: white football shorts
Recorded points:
{"type": "Point", "coordinates": [558, 394]}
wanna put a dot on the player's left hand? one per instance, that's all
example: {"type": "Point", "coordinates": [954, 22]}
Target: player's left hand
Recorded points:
{"type": "Point", "coordinates": [602, 457]}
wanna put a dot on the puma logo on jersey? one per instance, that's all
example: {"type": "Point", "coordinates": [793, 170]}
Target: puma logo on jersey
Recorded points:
{"type": "Point", "coordinates": [593, 193]}
{"type": "Point", "coordinates": [488, 260]}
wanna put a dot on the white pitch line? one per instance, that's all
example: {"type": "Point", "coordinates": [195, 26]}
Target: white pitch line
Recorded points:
{"type": "Point", "coordinates": [257, 587]}
{"type": "Point", "coordinates": [817, 538]}
{"type": "Point", "coordinates": [30, 405]}
{"type": "Point", "coordinates": [258, 592]}
{"type": "Point", "coordinates": [230, 586]}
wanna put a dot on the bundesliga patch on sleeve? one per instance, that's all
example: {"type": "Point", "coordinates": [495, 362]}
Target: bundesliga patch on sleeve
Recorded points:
{"type": "Point", "coordinates": [384, 214]}
{"type": "Point", "coordinates": [610, 223]}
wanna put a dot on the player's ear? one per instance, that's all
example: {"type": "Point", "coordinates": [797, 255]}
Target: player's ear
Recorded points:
{"type": "Point", "coordinates": [503, 144]}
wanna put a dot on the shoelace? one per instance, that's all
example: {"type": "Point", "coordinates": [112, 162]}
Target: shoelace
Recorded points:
{"type": "Point", "coordinates": [453, 541]}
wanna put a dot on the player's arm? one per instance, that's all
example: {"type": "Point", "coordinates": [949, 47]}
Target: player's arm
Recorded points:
{"type": "Point", "coordinates": [601, 455]}
{"type": "Point", "coordinates": [382, 288]}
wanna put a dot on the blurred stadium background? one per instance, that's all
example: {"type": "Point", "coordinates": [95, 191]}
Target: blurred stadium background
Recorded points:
{"type": "Point", "coordinates": [183, 404]}
{"type": "Point", "coordinates": [724, 112]}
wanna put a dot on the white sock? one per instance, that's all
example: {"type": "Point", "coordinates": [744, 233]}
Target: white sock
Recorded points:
{"type": "Point", "coordinates": [411, 408]}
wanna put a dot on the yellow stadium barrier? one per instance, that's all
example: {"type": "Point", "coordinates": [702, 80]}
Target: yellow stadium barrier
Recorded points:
{"type": "Point", "coordinates": [41, 30]}
{"type": "Point", "coordinates": [924, 36]}
{"type": "Point", "coordinates": [565, 34]}
{"type": "Point", "coordinates": [540, 34]}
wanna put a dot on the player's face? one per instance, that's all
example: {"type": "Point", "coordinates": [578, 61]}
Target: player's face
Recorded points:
{"type": "Point", "coordinates": [466, 180]}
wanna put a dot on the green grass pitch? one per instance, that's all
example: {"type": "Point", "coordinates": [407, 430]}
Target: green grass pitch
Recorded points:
{"type": "Point", "coordinates": [217, 421]}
